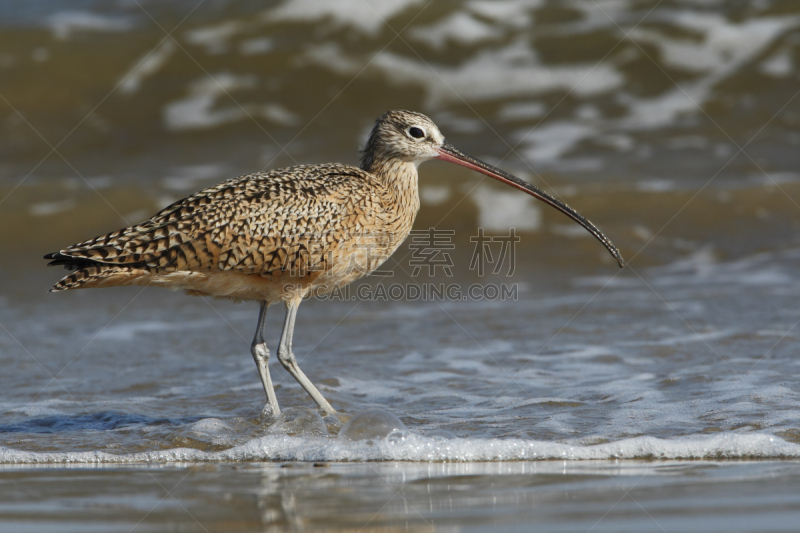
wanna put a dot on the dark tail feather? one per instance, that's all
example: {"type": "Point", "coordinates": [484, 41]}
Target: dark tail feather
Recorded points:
{"type": "Point", "coordinates": [69, 263]}
{"type": "Point", "coordinates": [91, 273]}
{"type": "Point", "coordinates": [100, 275]}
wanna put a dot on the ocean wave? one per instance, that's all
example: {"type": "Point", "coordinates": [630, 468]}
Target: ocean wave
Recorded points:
{"type": "Point", "coordinates": [419, 448]}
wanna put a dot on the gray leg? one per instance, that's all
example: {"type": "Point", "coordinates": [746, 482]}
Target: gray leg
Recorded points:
{"type": "Point", "coordinates": [286, 357]}
{"type": "Point", "coordinates": [261, 355]}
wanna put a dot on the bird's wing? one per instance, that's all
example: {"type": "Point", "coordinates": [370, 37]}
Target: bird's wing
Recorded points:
{"type": "Point", "coordinates": [259, 223]}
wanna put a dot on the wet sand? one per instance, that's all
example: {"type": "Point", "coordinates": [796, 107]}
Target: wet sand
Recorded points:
{"type": "Point", "coordinates": [702, 496]}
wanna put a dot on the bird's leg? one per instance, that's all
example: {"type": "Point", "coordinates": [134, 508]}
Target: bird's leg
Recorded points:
{"type": "Point", "coordinates": [261, 356]}
{"type": "Point", "coordinates": [286, 357]}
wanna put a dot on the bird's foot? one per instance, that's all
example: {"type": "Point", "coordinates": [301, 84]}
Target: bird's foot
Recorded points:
{"type": "Point", "coordinates": [269, 413]}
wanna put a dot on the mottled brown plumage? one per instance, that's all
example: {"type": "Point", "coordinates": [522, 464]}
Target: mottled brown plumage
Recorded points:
{"type": "Point", "coordinates": [279, 235]}
{"type": "Point", "coordinates": [271, 228]}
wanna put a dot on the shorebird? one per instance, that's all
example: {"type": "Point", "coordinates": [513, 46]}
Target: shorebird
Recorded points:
{"type": "Point", "coordinates": [282, 235]}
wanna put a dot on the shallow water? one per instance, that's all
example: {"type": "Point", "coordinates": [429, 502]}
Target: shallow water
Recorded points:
{"type": "Point", "coordinates": [551, 496]}
{"type": "Point", "coordinates": [120, 377]}
{"type": "Point", "coordinates": [672, 125]}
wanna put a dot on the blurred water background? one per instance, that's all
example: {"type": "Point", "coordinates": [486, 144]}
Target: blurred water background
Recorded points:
{"type": "Point", "coordinates": [673, 125]}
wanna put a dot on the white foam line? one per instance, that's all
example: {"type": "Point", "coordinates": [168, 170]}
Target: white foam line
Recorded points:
{"type": "Point", "coordinates": [421, 449]}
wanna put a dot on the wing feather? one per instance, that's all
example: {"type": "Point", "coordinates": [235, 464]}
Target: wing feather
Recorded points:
{"type": "Point", "coordinates": [258, 223]}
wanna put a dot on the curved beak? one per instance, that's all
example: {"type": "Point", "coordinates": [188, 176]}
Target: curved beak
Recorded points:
{"type": "Point", "coordinates": [448, 153]}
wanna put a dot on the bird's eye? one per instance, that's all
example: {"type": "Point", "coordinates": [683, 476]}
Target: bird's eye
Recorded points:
{"type": "Point", "coordinates": [417, 133]}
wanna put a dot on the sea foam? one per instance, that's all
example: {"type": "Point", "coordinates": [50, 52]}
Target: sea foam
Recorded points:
{"type": "Point", "coordinates": [420, 448]}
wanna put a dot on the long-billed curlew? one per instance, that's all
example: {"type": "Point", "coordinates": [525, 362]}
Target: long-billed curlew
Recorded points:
{"type": "Point", "coordinates": [282, 235]}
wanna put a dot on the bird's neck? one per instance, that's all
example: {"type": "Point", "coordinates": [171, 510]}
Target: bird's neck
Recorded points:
{"type": "Point", "coordinates": [393, 173]}
{"type": "Point", "coordinates": [398, 177]}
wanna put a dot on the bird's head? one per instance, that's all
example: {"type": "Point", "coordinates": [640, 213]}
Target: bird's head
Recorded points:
{"type": "Point", "coordinates": [406, 136]}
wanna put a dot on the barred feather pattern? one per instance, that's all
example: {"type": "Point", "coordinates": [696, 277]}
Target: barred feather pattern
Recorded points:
{"type": "Point", "coordinates": [303, 224]}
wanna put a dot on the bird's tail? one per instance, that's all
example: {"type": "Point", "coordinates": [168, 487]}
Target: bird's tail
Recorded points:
{"type": "Point", "coordinates": [89, 274]}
